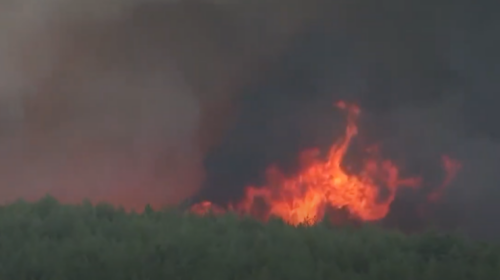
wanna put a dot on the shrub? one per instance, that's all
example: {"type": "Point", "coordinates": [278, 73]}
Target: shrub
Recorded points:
{"type": "Point", "coordinates": [50, 241]}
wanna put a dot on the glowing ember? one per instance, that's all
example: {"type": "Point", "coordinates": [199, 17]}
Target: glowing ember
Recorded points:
{"type": "Point", "coordinates": [205, 207]}
{"type": "Point", "coordinates": [325, 183]}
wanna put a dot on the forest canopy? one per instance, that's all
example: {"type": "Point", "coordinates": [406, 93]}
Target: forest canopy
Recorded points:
{"type": "Point", "coordinates": [47, 240]}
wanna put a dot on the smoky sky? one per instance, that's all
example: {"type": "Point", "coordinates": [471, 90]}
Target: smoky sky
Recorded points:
{"type": "Point", "coordinates": [158, 101]}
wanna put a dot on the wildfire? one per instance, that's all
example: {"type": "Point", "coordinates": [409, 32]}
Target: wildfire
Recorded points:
{"type": "Point", "coordinates": [324, 184]}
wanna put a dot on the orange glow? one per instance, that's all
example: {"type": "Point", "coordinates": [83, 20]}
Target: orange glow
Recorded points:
{"type": "Point", "coordinates": [451, 167]}
{"type": "Point", "coordinates": [325, 183]}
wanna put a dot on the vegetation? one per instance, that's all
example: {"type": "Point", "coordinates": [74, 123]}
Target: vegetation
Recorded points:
{"type": "Point", "coordinates": [50, 241]}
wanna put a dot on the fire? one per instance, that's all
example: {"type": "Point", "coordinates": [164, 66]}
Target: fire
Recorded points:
{"type": "Point", "coordinates": [451, 167]}
{"type": "Point", "coordinates": [324, 184]}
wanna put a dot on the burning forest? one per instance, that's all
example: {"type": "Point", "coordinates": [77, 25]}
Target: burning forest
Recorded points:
{"type": "Point", "coordinates": [364, 112]}
{"type": "Point", "coordinates": [325, 184]}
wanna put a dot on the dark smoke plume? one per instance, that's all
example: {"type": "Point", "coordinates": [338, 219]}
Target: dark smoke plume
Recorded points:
{"type": "Point", "coordinates": [423, 74]}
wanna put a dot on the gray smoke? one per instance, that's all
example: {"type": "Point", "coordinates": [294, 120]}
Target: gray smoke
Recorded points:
{"type": "Point", "coordinates": [119, 100]}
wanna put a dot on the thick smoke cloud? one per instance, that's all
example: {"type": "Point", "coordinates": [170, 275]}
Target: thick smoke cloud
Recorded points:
{"type": "Point", "coordinates": [94, 106]}
{"type": "Point", "coordinates": [385, 56]}
{"type": "Point", "coordinates": [119, 100]}
{"type": "Point", "coordinates": [422, 72]}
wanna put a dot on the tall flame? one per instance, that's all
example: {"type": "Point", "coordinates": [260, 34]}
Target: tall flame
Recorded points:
{"type": "Point", "coordinates": [325, 183]}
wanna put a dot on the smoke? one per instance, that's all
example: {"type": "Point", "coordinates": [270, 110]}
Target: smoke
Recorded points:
{"type": "Point", "coordinates": [93, 107]}
{"type": "Point", "coordinates": [382, 55]}
{"type": "Point", "coordinates": [120, 100]}
{"type": "Point", "coordinates": [422, 73]}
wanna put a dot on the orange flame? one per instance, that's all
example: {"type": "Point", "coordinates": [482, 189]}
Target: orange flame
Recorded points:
{"type": "Point", "coordinates": [324, 184]}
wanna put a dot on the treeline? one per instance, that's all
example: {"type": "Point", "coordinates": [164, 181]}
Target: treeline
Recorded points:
{"type": "Point", "coordinates": [50, 241]}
